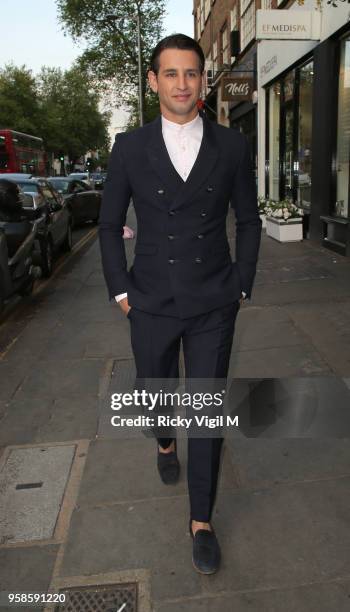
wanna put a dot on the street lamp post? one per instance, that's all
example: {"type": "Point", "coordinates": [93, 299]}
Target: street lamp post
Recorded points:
{"type": "Point", "coordinates": [137, 17]}
{"type": "Point", "coordinates": [138, 22]}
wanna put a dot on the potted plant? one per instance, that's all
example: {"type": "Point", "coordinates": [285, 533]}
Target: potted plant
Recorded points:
{"type": "Point", "coordinates": [262, 209]}
{"type": "Point", "coordinates": [284, 221]}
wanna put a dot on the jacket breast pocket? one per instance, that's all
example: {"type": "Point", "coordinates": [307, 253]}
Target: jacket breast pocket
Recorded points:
{"type": "Point", "coordinates": [146, 249]}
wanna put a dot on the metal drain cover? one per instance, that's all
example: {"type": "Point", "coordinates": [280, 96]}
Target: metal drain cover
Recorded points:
{"type": "Point", "coordinates": [32, 485]}
{"type": "Point", "coordinates": [111, 598]}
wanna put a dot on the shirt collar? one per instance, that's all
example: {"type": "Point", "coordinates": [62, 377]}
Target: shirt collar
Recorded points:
{"type": "Point", "coordinates": [182, 126]}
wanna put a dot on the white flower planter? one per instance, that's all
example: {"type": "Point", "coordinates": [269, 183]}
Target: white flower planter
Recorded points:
{"type": "Point", "coordinates": [263, 219]}
{"type": "Point", "coordinates": [290, 230]}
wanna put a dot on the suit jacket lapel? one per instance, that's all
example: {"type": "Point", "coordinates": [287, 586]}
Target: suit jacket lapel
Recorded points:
{"type": "Point", "coordinates": [176, 189]}
{"type": "Point", "coordinates": [204, 164]}
{"type": "Point", "coordinates": [159, 158]}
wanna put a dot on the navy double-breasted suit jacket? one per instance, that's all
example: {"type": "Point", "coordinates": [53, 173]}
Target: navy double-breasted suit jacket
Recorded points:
{"type": "Point", "coordinates": [183, 265]}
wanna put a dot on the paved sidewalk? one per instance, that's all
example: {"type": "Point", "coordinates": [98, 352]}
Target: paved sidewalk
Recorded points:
{"type": "Point", "coordinates": [282, 511]}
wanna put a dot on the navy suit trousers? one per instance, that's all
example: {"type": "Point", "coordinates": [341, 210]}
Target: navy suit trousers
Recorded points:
{"type": "Point", "coordinates": [206, 342]}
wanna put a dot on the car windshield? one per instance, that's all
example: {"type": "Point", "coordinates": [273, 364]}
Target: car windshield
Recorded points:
{"type": "Point", "coordinates": [61, 186]}
{"type": "Point", "coordinates": [28, 187]}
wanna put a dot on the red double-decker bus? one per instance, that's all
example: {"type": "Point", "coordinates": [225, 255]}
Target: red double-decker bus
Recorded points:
{"type": "Point", "coordinates": [21, 153]}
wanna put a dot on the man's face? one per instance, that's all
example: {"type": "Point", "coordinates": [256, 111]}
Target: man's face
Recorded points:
{"type": "Point", "coordinates": [178, 84]}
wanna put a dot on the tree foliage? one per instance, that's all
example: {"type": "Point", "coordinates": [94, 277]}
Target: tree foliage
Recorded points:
{"type": "Point", "coordinates": [60, 107]}
{"type": "Point", "coordinates": [111, 55]}
{"type": "Point", "coordinates": [19, 103]}
{"type": "Point", "coordinates": [71, 108]}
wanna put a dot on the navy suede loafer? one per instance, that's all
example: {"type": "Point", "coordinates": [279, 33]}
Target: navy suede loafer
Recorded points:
{"type": "Point", "coordinates": [206, 551]}
{"type": "Point", "coordinates": [168, 466]}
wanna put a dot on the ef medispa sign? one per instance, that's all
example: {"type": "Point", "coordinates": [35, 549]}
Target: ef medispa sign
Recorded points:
{"type": "Point", "coordinates": [288, 24]}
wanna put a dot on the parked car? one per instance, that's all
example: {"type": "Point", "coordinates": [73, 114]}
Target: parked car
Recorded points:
{"type": "Point", "coordinates": [99, 179]}
{"type": "Point", "coordinates": [83, 176]}
{"type": "Point", "coordinates": [83, 200]}
{"type": "Point", "coordinates": [18, 233]}
{"type": "Point", "coordinates": [16, 175]}
{"type": "Point", "coordinates": [56, 232]}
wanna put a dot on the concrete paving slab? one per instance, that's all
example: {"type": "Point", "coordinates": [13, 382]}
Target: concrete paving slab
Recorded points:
{"type": "Point", "coordinates": [32, 484]}
{"type": "Point", "coordinates": [263, 463]}
{"type": "Point", "coordinates": [23, 419]}
{"type": "Point", "coordinates": [315, 291]}
{"type": "Point", "coordinates": [328, 329]}
{"type": "Point", "coordinates": [109, 461]}
{"type": "Point", "coordinates": [303, 598]}
{"type": "Point", "coordinates": [12, 378]}
{"type": "Point", "coordinates": [29, 343]}
{"type": "Point", "coordinates": [98, 339]}
{"type": "Point", "coordinates": [95, 279]}
{"type": "Point", "coordinates": [68, 378]}
{"type": "Point", "coordinates": [68, 419]}
{"type": "Point", "coordinates": [279, 362]}
{"type": "Point", "coordinates": [26, 569]}
{"type": "Point", "coordinates": [92, 304]}
{"type": "Point", "coordinates": [262, 328]}
{"type": "Point", "coordinates": [308, 407]}
{"type": "Point", "coordinates": [149, 535]}
{"type": "Point", "coordinates": [3, 409]}
{"type": "Point", "coordinates": [291, 270]}
{"type": "Point", "coordinates": [283, 536]}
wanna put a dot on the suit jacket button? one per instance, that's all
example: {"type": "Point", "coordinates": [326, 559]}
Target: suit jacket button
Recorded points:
{"type": "Point", "coordinates": [200, 236]}
{"type": "Point", "coordinates": [161, 191]}
{"type": "Point", "coordinates": [209, 188]}
{"type": "Point", "coordinates": [171, 236]}
{"type": "Point", "coordinates": [171, 261]}
{"type": "Point", "coordinates": [203, 213]}
{"type": "Point", "coordinates": [171, 212]}
{"type": "Point", "coordinates": [198, 260]}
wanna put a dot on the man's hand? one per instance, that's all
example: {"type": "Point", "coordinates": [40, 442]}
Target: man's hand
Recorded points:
{"type": "Point", "coordinates": [124, 305]}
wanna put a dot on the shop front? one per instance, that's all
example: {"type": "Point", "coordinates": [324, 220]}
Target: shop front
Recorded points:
{"type": "Point", "coordinates": [304, 129]}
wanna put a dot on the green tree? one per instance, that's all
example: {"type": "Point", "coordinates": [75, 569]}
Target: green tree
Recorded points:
{"type": "Point", "coordinates": [72, 120]}
{"type": "Point", "coordinates": [111, 58]}
{"type": "Point", "coordinates": [19, 103]}
{"type": "Point", "coordinates": [151, 109]}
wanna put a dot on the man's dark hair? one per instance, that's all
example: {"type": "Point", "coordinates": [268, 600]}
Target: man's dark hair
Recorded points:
{"type": "Point", "coordinates": [176, 41]}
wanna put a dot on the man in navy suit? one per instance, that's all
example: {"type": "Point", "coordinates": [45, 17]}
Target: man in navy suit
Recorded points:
{"type": "Point", "coordinates": [182, 172]}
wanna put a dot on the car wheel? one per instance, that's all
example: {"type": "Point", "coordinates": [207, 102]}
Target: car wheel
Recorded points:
{"type": "Point", "coordinates": [47, 257]}
{"type": "Point", "coordinates": [68, 242]}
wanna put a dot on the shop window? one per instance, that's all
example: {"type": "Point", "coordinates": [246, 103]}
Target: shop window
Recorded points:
{"type": "Point", "coordinates": [274, 93]}
{"type": "Point", "coordinates": [215, 58]}
{"type": "Point", "coordinates": [305, 136]}
{"type": "Point", "coordinates": [225, 47]}
{"type": "Point", "coordinates": [198, 23]}
{"type": "Point", "coordinates": [234, 20]}
{"type": "Point", "coordinates": [247, 22]}
{"type": "Point", "coordinates": [341, 208]}
{"type": "Point", "coordinates": [202, 15]}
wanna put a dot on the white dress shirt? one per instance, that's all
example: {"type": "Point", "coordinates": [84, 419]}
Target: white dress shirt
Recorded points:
{"type": "Point", "coordinates": [183, 142]}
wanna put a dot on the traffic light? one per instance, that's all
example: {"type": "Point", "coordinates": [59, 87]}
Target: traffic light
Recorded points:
{"type": "Point", "coordinates": [61, 157]}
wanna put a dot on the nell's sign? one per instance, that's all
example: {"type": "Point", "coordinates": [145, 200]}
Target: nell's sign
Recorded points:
{"type": "Point", "coordinates": [237, 90]}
